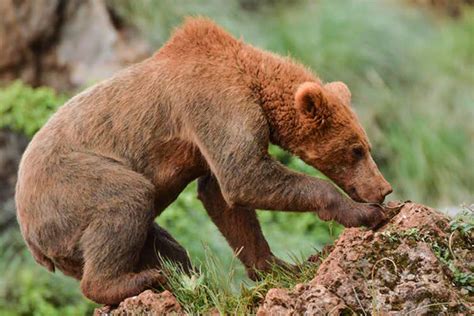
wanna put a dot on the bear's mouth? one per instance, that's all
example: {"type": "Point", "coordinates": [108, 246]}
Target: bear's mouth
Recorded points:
{"type": "Point", "coordinates": [352, 192]}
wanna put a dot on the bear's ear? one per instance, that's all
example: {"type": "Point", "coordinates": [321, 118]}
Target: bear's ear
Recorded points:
{"type": "Point", "coordinates": [340, 89]}
{"type": "Point", "coordinates": [311, 102]}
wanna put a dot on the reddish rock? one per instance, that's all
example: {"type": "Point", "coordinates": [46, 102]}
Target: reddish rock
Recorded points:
{"type": "Point", "coordinates": [147, 303]}
{"type": "Point", "coordinates": [305, 299]}
{"type": "Point", "coordinates": [391, 271]}
{"type": "Point", "coordinates": [63, 44]}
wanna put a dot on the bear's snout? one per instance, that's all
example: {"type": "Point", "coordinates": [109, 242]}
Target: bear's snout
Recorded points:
{"type": "Point", "coordinates": [386, 190]}
{"type": "Point", "coordinates": [372, 194]}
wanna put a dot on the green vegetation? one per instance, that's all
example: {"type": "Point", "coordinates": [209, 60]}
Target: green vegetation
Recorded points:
{"type": "Point", "coordinates": [462, 235]}
{"type": "Point", "coordinates": [412, 79]}
{"type": "Point", "coordinates": [214, 285]}
{"type": "Point", "coordinates": [26, 288]}
{"type": "Point", "coordinates": [25, 109]}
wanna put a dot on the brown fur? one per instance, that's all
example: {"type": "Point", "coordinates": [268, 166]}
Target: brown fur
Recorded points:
{"type": "Point", "coordinates": [205, 106]}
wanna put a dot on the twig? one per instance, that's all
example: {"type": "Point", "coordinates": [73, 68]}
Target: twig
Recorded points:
{"type": "Point", "coordinates": [375, 264]}
{"type": "Point", "coordinates": [374, 298]}
{"type": "Point", "coordinates": [450, 242]}
{"type": "Point", "coordinates": [358, 301]}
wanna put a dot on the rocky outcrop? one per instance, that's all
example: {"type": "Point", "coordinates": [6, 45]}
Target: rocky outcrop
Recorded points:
{"type": "Point", "coordinates": [396, 270]}
{"type": "Point", "coordinates": [63, 43]}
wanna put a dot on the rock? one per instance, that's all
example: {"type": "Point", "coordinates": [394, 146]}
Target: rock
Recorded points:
{"type": "Point", "coordinates": [305, 299]}
{"type": "Point", "coordinates": [63, 44]}
{"type": "Point", "coordinates": [27, 29]}
{"type": "Point", "coordinates": [453, 8]}
{"type": "Point", "coordinates": [94, 51]}
{"type": "Point", "coordinates": [12, 146]}
{"type": "Point", "coordinates": [393, 270]}
{"type": "Point", "coordinates": [147, 303]}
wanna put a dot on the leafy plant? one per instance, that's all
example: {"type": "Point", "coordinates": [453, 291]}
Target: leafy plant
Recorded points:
{"type": "Point", "coordinates": [26, 109]}
{"type": "Point", "coordinates": [464, 224]}
{"type": "Point", "coordinates": [464, 221]}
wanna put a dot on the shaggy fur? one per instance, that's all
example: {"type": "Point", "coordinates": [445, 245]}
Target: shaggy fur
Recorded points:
{"type": "Point", "coordinates": [205, 106]}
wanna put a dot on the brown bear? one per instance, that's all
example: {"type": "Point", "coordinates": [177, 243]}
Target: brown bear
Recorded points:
{"type": "Point", "coordinates": [205, 106]}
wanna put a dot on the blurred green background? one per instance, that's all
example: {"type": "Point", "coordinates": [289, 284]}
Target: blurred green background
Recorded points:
{"type": "Point", "coordinates": [411, 73]}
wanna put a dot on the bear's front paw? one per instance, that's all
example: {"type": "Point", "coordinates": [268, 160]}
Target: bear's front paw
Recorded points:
{"type": "Point", "coordinates": [363, 214]}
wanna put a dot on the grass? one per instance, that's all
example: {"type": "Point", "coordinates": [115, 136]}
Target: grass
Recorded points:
{"type": "Point", "coordinates": [213, 286]}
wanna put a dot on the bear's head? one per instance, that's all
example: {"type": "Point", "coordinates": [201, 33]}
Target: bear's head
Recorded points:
{"type": "Point", "coordinates": [333, 141]}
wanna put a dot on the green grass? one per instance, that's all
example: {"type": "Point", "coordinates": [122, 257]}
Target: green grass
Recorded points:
{"type": "Point", "coordinates": [214, 285]}
{"type": "Point", "coordinates": [411, 76]}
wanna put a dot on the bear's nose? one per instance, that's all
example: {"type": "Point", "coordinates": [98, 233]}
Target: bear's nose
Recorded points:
{"type": "Point", "coordinates": [386, 190]}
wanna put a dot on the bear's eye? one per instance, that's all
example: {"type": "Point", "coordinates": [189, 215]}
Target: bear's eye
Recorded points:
{"type": "Point", "coordinates": [358, 152]}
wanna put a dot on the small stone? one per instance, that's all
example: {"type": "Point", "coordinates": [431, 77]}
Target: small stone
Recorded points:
{"type": "Point", "coordinates": [163, 303]}
{"type": "Point", "coordinates": [410, 277]}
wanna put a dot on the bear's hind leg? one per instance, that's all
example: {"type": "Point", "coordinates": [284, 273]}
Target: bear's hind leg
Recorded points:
{"type": "Point", "coordinates": [117, 204]}
{"type": "Point", "coordinates": [112, 247]}
{"type": "Point", "coordinates": [160, 245]}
